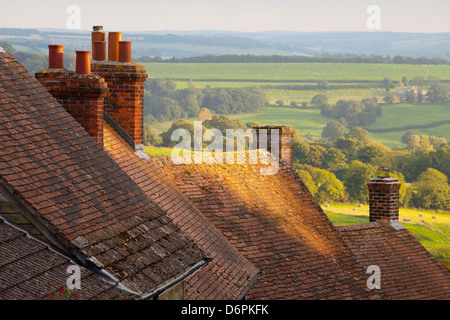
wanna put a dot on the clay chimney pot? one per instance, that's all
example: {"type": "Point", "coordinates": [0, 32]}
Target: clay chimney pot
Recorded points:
{"type": "Point", "coordinates": [83, 62]}
{"type": "Point", "coordinates": [113, 45]}
{"type": "Point", "coordinates": [99, 50]}
{"type": "Point", "coordinates": [125, 51]}
{"type": "Point", "coordinates": [55, 56]}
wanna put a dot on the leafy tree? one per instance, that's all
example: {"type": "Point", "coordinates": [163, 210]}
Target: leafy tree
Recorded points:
{"type": "Point", "coordinates": [316, 155]}
{"type": "Point", "coordinates": [328, 187]}
{"type": "Point", "coordinates": [419, 143]}
{"type": "Point", "coordinates": [333, 160]}
{"type": "Point", "coordinates": [348, 146]}
{"type": "Point", "coordinates": [406, 136]}
{"type": "Point", "coordinates": [163, 108]}
{"type": "Point", "coordinates": [373, 153]}
{"type": "Point", "coordinates": [436, 142]}
{"type": "Point", "coordinates": [410, 97]}
{"type": "Point", "coordinates": [389, 99]}
{"type": "Point", "coordinates": [359, 134]}
{"type": "Point", "coordinates": [180, 124]}
{"type": "Point", "coordinates": [308, 181]}
{"type": "Point", "coordinates": [439, 93]}
{"type": "Point", "coordinates": [150, 136]}
{"type": "Point", "coordinates": [319, 100]}
{"type": "Point", "coordinates": [432, 190]}
{"type": "Point", "coordinates": [387, 83]}
{"type": "Point", "coordinates": [405, 81]}
{"type": "Point", "coordinates": [333, 130]}
{"type": "Point", "coordinates": [280, 103]}
{"type": "Point", "coordinates": [356, 178]}
{"type": "Point", "coordinates": [223, 123]}
{"type": "Point", "coordinates": [327, 110]}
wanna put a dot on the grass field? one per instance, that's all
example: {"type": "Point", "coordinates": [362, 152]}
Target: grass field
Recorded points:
{"type": "Point", "coordinates": [305, 120]}
{"type": "Point", "coordinates": [310, 121]}
{"type": "Point", "coordinates": [433, 234]}
{"type": "Point", "coordinates": [293, 71]}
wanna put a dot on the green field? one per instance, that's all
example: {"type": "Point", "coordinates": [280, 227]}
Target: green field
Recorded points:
{"type": "Point", "coordinates": [433, 234]}
{"type": "Point", "coordinates": [305, 120]}
{"type": "Point", "coordinates": [403, 115]}
{"type": "Point", "coordinates": [293, 71]}
{"type": "Point", "coordinates": [310, 121]}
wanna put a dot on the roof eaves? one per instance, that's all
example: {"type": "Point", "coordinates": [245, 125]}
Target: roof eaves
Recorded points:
{"type": "Point", "coordinates": [155, 293]}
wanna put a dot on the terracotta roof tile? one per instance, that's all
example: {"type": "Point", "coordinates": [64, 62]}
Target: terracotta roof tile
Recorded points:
{"type": "Point", "coordinates": [408, 270]}
{"type": "Point", "coordinates": [54, 169]}
{"type": "Point", "coordinates": [229, 274]}
{"type": "Point", "coordinates": [29, 269]}
{"type": "Point", "coordinates": [277, 225]}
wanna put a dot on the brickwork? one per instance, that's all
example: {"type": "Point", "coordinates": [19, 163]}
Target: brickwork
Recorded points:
{"type": "Point", "coordinates": [124, 102]}
{"type": "Point", "coordinates": [285, 143]}
{"type": "Point", "coordinates": [81, 95]}
{"type": "Point", "coordinates": [383, 198]}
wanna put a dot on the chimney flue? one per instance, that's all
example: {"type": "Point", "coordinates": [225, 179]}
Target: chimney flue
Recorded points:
{"type": "Point", "coordinates": [113, 45]}
{"type": "Point", "coordinates": [83, 62]}
{"type": "Point", "coordinates": [97, 35]}
{"type": "Point", "coordinates": [124, 51]}
{"type": "Point", "coordinates": [99, 50]}
{"type": "Point", "coordinates": [55, 56]}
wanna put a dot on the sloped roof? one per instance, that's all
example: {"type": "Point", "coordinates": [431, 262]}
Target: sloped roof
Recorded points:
{"type": "Point", "coordinates": [29, 269]}
{"type": "Point", "coordinates": [277, 225]}
{"type": "Point", "coordinates": [229, 275]}
{"type": "Point", "coordinates": [67, 183]}
{"type": "Point", "coordinates": [408, 270]}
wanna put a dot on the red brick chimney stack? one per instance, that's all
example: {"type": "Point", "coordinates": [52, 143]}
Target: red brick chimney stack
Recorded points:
{"type": "Point", "coordinates": [285, 143]}
{"type": "Point", "coordinates": [101, 89]}
{"type": "Point", "coordinates": [81, 94]}
{"type": "Point", "coordinates": [383, 196]}
{"type": "Point", "coordinates": [124, 103]}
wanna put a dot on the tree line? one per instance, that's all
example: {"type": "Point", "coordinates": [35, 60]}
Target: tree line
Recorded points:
{"type": "Point", "coordinates": [164, 102]}
{"type": "Point", "coordinates": [318, 58]}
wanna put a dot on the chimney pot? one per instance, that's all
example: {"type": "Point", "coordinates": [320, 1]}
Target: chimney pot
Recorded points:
{"type": "Point", "coordinates": [99, 50]}
{"type": "Point", "coordinates": [124, 51]}
{"type": "Point", "coordinates": [97, 35]}
{"type": "Point", "coordinates": [55, 56]}
{"type": "Point", "coordinates": [113, 45]}
{"type": "Point", "coordinates": [83, 62]}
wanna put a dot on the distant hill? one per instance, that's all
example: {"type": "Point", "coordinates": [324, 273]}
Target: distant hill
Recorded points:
{"type": "Point", "coordinates": [197, 43]}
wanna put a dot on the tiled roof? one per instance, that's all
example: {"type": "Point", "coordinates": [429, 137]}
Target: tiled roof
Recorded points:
{"type": "Point", "coordinates": [29, 269]}
{"type": "Point", "coordinates": [407, 269]}
{"type": "Point", "coordinates": [229, 274]}
{"type": "Point", "coordinates": [70, 186]}
{"type": "Point", "coordinates": [277, 225]}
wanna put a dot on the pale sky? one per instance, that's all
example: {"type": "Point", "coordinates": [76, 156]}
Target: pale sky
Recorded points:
{"type": "Point", "coordinates": [233, 15]}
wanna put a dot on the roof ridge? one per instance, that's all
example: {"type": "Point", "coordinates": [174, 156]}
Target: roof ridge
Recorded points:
{"type": "Point", "coordinates": [371, 225]}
